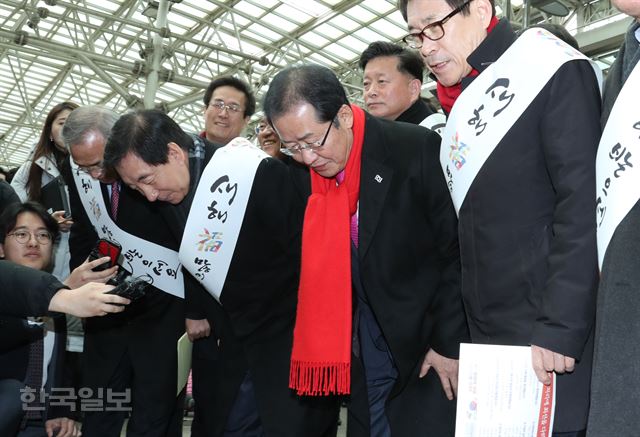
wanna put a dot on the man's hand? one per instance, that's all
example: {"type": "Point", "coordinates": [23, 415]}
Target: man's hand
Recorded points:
{"type": "Point", "coordinates": [545, 361]}
{"type": "Point", "coordinates": [63, 223]}
{"type": "Point", "coordinates": [84, 274]}
{"type": "Point", "coordinates": [87, 301]}
{"type": "Point", "coordinates": [447, 370]}
{"type": "Point", "coordinates": [197, 328]}
{"type": "Point", "coordinates": [64, 427]}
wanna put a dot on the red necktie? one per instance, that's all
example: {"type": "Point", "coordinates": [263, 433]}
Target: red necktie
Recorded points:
{"type": "Point", "coordinates": [115, 197]}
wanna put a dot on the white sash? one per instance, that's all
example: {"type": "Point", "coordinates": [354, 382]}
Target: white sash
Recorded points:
{"type": "Point", "coordinates": [436, 122]}
{"type": "Point", "coordinates": [487, 109]}
{"type": "Point", "coordinates": [158, 265]}
{"type": "Point", "coordinates": [217, 212]}
{"type": "Point", "coordinates": [617, 172]}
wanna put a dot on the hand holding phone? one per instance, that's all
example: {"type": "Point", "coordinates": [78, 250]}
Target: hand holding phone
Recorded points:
{"type": "Point", "coordinates": [106, 248]}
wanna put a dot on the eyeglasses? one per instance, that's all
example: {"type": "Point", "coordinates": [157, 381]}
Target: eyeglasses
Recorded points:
{"type": "Point", "coordinates": [23, 237]}
{"type": "Point", "coordinates": [221, 106]}
{"type": "Point", "coordinates": [262, 127]}
{"type": "Point", "coordinates": [96, 168]}
{"type": "Point", "coordinates": [433, 31]}
{"type": "Point", "coordinates": [292, 147]}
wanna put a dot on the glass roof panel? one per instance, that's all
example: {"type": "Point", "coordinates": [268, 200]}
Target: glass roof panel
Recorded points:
{"type": "Point", "coordinates": [251, 39]}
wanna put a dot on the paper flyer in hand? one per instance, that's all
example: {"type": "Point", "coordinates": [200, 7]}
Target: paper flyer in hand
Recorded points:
{"type": "Point", "coordinates": [499, 394]}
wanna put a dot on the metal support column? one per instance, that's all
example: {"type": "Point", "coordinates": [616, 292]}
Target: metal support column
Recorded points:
{"type": "Point", "coordinates": [156, 57]}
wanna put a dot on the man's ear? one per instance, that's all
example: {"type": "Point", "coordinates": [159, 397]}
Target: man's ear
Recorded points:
{"type": "Point", "coordinates": [175, 152]}
{"type": "Point", "coordinates": [1, 250]}
{"type": "Point", "coordinates": [484, 11]}
{"type": "Point", "coordinates": [345, 115]}
{"type": "Point", "coordinates": [415, 87]}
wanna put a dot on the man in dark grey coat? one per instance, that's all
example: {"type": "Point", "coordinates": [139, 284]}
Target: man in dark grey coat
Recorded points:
{"type": "Point", "coordinates": [615, 387]}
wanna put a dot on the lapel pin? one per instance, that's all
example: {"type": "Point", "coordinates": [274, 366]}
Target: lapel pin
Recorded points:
{"type": "Point", "coordinates": [378, 178]}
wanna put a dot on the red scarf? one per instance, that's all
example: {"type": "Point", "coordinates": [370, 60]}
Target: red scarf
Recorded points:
{"type": "Point", "coordinates": [321, 356]}
{"type": "Point", "coordinates": [447, 95]}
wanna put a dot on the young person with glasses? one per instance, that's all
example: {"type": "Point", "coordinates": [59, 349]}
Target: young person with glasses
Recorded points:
{"type": "Point", "coordinates": [32, 352]}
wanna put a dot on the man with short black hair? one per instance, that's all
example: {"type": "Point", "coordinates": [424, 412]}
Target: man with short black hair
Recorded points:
{"type": "Point", "coordinates": [379, 231]}
{"type": "Point", "coordinates": [517, 154]}
{"type": "Point", "coordinates": [253, 313]}
{"type": "Point", "coordinates": [229, 103]}
{"type": "Point", "coordinates": [393, 82]}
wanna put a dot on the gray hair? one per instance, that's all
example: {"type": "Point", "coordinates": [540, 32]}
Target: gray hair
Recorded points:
{"type": "Point", "coordinates": [87, 119]}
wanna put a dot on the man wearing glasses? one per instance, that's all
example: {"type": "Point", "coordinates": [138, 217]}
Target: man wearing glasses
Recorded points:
{"type": "Point", "coordinates": [518, 156]}
{"type": "Point", "coordinates": [228, 106]}
{"type": "Point", "coordinates": [379, 231]}
{"type": "Point", "coordinates": [134, 350]}
{"type": "Point", "coordinates": [268, 141]}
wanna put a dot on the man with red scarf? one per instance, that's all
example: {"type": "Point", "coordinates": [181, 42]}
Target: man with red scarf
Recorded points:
{"type": "Point", "coordinates": [527, 233]}
{"type": "Point", "coordinates": [379, 232]}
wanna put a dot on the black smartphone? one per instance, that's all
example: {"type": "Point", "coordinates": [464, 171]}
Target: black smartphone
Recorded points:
{"type": "Point", "coordinates": [131, 288]}
{"type": "Point", "coordinates": [104, 248]}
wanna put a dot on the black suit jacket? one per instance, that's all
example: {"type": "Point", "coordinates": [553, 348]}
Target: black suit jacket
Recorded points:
{"type": "Point", "coordinates": [410, 270]}
{"type": "Point", "coordinates": [150, 326]}
{"type": "Point", "coordinates": [16, 335]}
{"type": "Point", "coordinates": [258, 307]}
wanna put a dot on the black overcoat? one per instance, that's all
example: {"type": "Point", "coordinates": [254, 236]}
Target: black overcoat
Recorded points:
{"type": "Point", "coordinates": [256, 319]}
{"type": "Point", "coordinates": [410, 271]}
{"type": "Point", "coordinates": [527, 228]}
{"type": "Point", "coordinates": [148, 329]}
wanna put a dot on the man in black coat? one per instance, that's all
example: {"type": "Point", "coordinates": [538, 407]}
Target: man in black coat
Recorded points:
{"type": "Point", "coordinates": [135, 351]}
{"type": "Point", "coordinates": [527, 233]}
{"type": "Point", "coordinates": [615, 387]}
{"type": "Point", "coordinates": [253, 322]}
{"type": "Point", "coordinates": [404, 269]}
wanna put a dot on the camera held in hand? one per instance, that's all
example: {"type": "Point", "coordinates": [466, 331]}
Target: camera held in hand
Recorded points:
{"type": "Point", "coordinates": [126, 285]}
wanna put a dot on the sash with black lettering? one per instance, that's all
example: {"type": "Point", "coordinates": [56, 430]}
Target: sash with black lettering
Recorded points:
{"type": "Point", "coordinates": [158, 265]}
{"type": "Point", "coordinates": [217, 212]}
{"type": "Point", "coordinates": [617, 162]}
{"type": "Point", "coordinates": [486, 110]}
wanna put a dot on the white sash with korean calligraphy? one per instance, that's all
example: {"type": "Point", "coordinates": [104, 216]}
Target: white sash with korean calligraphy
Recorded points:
{"type": "Point", "coordinates": [217, 212]}
{"type": "Point", "coordinates": [617, 172]}
{"type": "Point", "coordinates": [494, 101]}
{"type": "Point", "coordinates": [156, 264]}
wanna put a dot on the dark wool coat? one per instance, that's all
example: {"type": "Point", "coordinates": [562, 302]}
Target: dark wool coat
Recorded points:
{"type": "Point", "coordinates": [527, 228]}
{"type": "Point", "coordinates": [255, 322]}
{"type": "Point", "coordinates": [410, 271]}
{"type": "Point", "coordinates": [615, 387]}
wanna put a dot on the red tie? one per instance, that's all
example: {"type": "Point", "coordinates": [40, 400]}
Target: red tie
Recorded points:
{"type": "Point", "coordinates": [354, 217]}
{"type": "Point", "coordinates": [115, 197]}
